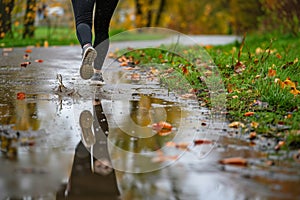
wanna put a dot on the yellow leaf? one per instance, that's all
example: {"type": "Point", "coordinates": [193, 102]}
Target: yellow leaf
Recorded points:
{"type": "Point", "coordinates": [236, 125]}
{"type": "Point", "coordinates": [294, 91]}
{"type": "Point", "coordinates": [254, 124]}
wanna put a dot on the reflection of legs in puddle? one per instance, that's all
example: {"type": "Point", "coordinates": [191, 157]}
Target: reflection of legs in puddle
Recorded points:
{"type": "Point", "coordinates": [103, 163]}
{"type": "Point", "coordinates": [83, 183]}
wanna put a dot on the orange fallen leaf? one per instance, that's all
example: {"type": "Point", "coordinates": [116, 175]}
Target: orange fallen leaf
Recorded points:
{"type": "Point", "coordinates": [21, 96]}
{"type": "Point", "coordinates": [234, 161]}
{"type": "Point", "coordinates": [164, 132]}
{"type": "Point", "coordinates": [294, 91]}
{"type": "Point", "coordinates": [28, 51]}
{"type": "Point", "coordinates": [248, 114]}
{"type": "Point", "coordinates": [161, 125]}
{"type": "Point", "coordinates": [278, 56]}
{"type": "Point", "coordinates": [123, 64]}
{"type": "Point", "coordinates": [290, 83]}
{"type": "Point", "coordinates": [254, 124]}
{"type": "Point", "coordinates": [279, 145]}
{"type": "Point", "coordinates": [182, 145]}
{"type": "Point", "coordinates": [201, 141]}
{"type": "Point", "coordinates": [252, 135]}
{"type": "Point", "coordinates": [271, 72]}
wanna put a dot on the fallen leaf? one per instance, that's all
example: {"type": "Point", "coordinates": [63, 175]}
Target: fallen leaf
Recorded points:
{"type": "Point", "coordinates": [290, 83]}
{"type": "Point", "coordinates": [112, 55]}
{"type": "Point", "coordinates": [161, 125]}
{"type": "Point", "coordinates": [248, 114]}
{"type": "Point", "coordinates": [278, 56]}
{"type": "Point", "coordinates": [239, 67]}
{"type": "Point", "coordinates": [188, 96]}
{"type": "Point", "coordinates": [254, 124]}
{"type": "Point", "coordinates": [279, 145]}
{"type": "Point", "coordinates": [28, 51]}
{"type": "Point", "coordinates": [24, 64]}
{"type": "Point", "coordinates": [252, 135]}
{"type": "Point", "coordinates": [201, 141]}
{"type": "Point", "coordinates": [21, 96]}
{"type": "Point", "coordinates": [234, 161]}
{"type": "Point", "coordinates": [236, 125]}
{"type": "Point", "coordinates": [271, 72]}
{"type": "Point", "coordinates": [294, 91]}
{"type": "Point", "coordinates": [124, 64]}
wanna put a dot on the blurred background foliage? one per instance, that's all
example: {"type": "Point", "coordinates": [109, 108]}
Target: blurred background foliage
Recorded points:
{"type": "Point", "coordinates": [54, 19]}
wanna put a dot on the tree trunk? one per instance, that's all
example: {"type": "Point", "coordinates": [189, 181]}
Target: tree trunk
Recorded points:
{"type": "Point", "coordinates": [6, 7]}
{"type": "Point", "coordinates": [149, 13]}
{"type": "Point", "coordinates": [161, 9]}
{"type": "Point", "coordinates": [138, 14]}
{"type": "Point", "coordinates": [29, 19]}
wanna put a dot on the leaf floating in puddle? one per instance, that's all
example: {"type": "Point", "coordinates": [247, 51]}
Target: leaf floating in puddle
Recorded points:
{"type": "Point", "coordinates": [200, 141]}
{"type": "Point", "coordinates": [164, 132]}
{"type": "Point", "coordinates": [234, 161]}
{"type": "Point", "coordinates": [162, 128]}
{"type": "Point", "coordinates": [21, 96]}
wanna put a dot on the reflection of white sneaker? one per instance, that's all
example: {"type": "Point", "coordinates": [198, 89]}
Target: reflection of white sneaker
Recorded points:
{"type": "Point", "coordinates": [103, 167]}
{"type": "Point", "coordinates": [88, 56]}
{"type": "Point", "coordinates": [97, 79]}
{"type": "Point", "coordinates": [86, 122]}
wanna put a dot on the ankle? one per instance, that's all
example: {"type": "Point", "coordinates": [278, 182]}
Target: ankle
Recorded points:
{"type": "Point", "coordinates": [87, 45]}
{"type": "Point", "coordinates": [97, 71]}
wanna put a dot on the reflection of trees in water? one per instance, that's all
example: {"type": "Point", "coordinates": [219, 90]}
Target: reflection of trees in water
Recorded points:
{"type": "Point", "coordinates": [144, 113]}
{"type": "Point", "coordinates": [26, 116]}
{"type": "Point", "coordinates": [21, 115]}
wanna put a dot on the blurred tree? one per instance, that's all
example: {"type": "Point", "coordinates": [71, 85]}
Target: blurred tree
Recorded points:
{"type": "Point", "coordinates": [245, 15]}
{"type": "Point", "coordinates": [6, 7]}
{"type": "Point", "coordinates": [281, 15]}
{"type": "Point", "coordinates": [29, 18]}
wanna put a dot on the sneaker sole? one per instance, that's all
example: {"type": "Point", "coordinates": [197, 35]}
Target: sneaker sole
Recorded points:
{"type": "Point", "coordinates": [86, 122]}
{"type": "Point", "coordinates": [87, 69]}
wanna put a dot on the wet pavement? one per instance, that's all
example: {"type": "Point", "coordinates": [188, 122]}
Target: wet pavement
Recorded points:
{"type": "Point", "coordinates": [43, 157]}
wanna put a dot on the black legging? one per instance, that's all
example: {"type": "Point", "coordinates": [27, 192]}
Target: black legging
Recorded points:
{"type": "Point", "coordinates": [83, 12]}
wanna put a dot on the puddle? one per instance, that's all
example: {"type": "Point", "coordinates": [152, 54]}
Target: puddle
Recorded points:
{"type": "Point", "coordinates": [43, 156]}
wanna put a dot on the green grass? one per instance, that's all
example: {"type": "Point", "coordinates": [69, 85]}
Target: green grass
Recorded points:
{"type": "Point", "coordinates": [67, 36]}
{"type": "Point", "coordinates": [276, 109]}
